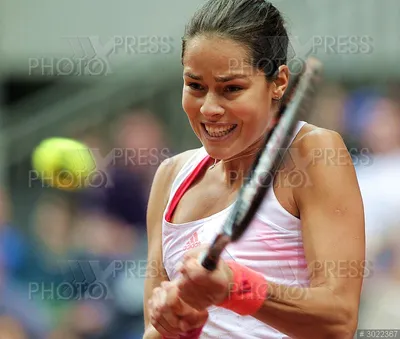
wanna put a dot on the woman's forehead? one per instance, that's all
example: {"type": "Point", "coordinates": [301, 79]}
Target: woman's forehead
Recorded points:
{"type": "Point", "coordinates": [222, 58]}
{"type": "Point", "coordinates": [216, 50]}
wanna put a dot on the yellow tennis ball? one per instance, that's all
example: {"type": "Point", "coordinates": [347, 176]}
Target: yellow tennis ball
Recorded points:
{"type": "Point", "coordinates": [64, 163]}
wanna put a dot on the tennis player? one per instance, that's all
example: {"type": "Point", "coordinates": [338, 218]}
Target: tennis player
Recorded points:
{"type": "Point", "coordinates": [297, 272]}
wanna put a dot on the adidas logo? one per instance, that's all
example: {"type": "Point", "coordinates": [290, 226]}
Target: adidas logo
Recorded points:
{"type": "Point", "coordinates": [193, 242]}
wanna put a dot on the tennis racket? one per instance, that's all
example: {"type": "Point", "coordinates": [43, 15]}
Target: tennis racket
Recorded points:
{"type": "Point", "coordinates": [295, 106]}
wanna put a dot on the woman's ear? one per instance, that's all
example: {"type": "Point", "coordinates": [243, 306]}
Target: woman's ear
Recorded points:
{"type": "Point", "coordinates": [281, 82]}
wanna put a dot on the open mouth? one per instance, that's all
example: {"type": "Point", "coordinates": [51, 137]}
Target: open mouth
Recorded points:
{"type": "Point", "coordinates": [218, 131]}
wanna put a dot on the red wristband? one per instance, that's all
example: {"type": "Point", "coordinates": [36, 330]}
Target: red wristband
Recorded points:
{"type": "Point", "coordinates": [247, 292]}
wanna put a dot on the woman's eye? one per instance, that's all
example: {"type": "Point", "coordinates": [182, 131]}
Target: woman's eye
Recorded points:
{"type": "Point", "coordinates": [233, 88]}
{"type": "Point", "coordinates": [195, 86]}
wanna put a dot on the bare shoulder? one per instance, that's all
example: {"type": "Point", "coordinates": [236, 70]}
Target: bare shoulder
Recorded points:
{"type": "Point", "coordinates": [311, 163]}
{"type": "Point", "coordinates": [162, 183]}
{"type": "Point", "coordinates": [315, 149]}
{"type": "Point", "coordinates": [314, 139]}
{"type": "Point", "coordinates": [323, 158]}
{"type": "Point", "coordinates": [168, 170]}
{"type": "Point", "coordinates": [171, 166]}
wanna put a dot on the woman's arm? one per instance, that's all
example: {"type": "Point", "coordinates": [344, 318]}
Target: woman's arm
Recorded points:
{"type": "Point", "coordinates": [332, 216]}
{"type": "Point", "coordinates": [160, 191]}
{"type": "Point", "coordinates": [155, 273]}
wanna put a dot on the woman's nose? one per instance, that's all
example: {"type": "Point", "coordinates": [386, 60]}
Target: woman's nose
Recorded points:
{"type": "Point", "coordinates": [211, 106]}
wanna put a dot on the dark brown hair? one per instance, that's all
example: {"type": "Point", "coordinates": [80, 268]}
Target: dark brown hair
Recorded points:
{"type": "Point", "coordinates": [255, 23]}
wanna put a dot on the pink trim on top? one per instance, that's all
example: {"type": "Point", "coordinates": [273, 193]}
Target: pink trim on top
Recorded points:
{"type": "Point", "coordinates": [184, 187]}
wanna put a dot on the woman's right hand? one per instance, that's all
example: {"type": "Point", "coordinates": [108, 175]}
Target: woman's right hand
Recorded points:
{"type": "Point", "coordinates": [170, 316]}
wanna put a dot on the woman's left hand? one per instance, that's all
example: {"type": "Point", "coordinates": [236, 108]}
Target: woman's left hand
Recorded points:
{"type": "Point", "coordinates": [199, 287]}
{"type": "Point", "coordinates": [170, 316]}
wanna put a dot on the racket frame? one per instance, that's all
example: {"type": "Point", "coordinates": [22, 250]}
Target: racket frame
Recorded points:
{"type": "Point", "coordinates": [296, 103]}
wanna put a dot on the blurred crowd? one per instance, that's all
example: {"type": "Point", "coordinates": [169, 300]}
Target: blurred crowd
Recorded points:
{"type": "Point", "coordinates": [77, 270]}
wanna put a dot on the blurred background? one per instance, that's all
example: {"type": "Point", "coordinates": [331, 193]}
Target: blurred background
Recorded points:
{"type": "Point", "coordinates": [109, 74]}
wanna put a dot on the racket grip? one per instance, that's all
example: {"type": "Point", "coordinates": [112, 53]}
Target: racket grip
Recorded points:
{"type": "Point", "coordinates": [209, 259]}
{"type": "Point", "coordinates": [209, 263]}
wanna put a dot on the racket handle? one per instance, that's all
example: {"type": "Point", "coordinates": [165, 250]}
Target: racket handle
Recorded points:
{"type": "Point", "coordinates": [209, 263]}
{"type": "Point", "coordinates": [209, 259]}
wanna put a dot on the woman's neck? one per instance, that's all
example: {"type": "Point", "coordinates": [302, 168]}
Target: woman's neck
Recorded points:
{"type": "Point", "coordinates": [237, 168]}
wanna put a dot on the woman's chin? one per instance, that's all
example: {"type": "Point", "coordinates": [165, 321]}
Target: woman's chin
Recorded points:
{"type": "Point", "coordinates": [219, 153]}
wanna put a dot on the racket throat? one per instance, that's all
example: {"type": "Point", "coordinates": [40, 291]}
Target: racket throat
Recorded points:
{"type": "Point", "coordinates": [210, 258]}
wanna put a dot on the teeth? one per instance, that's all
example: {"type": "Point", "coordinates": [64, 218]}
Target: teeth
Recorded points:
{"type": "Point", "coordinates": [219, 131]}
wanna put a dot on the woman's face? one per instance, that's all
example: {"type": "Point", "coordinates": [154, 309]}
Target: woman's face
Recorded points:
{"type": "Point", "coordinates": [227, 101]}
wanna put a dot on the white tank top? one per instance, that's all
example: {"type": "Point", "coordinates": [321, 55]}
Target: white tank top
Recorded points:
{"type": "Point", "coordinates": [272, 245]}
